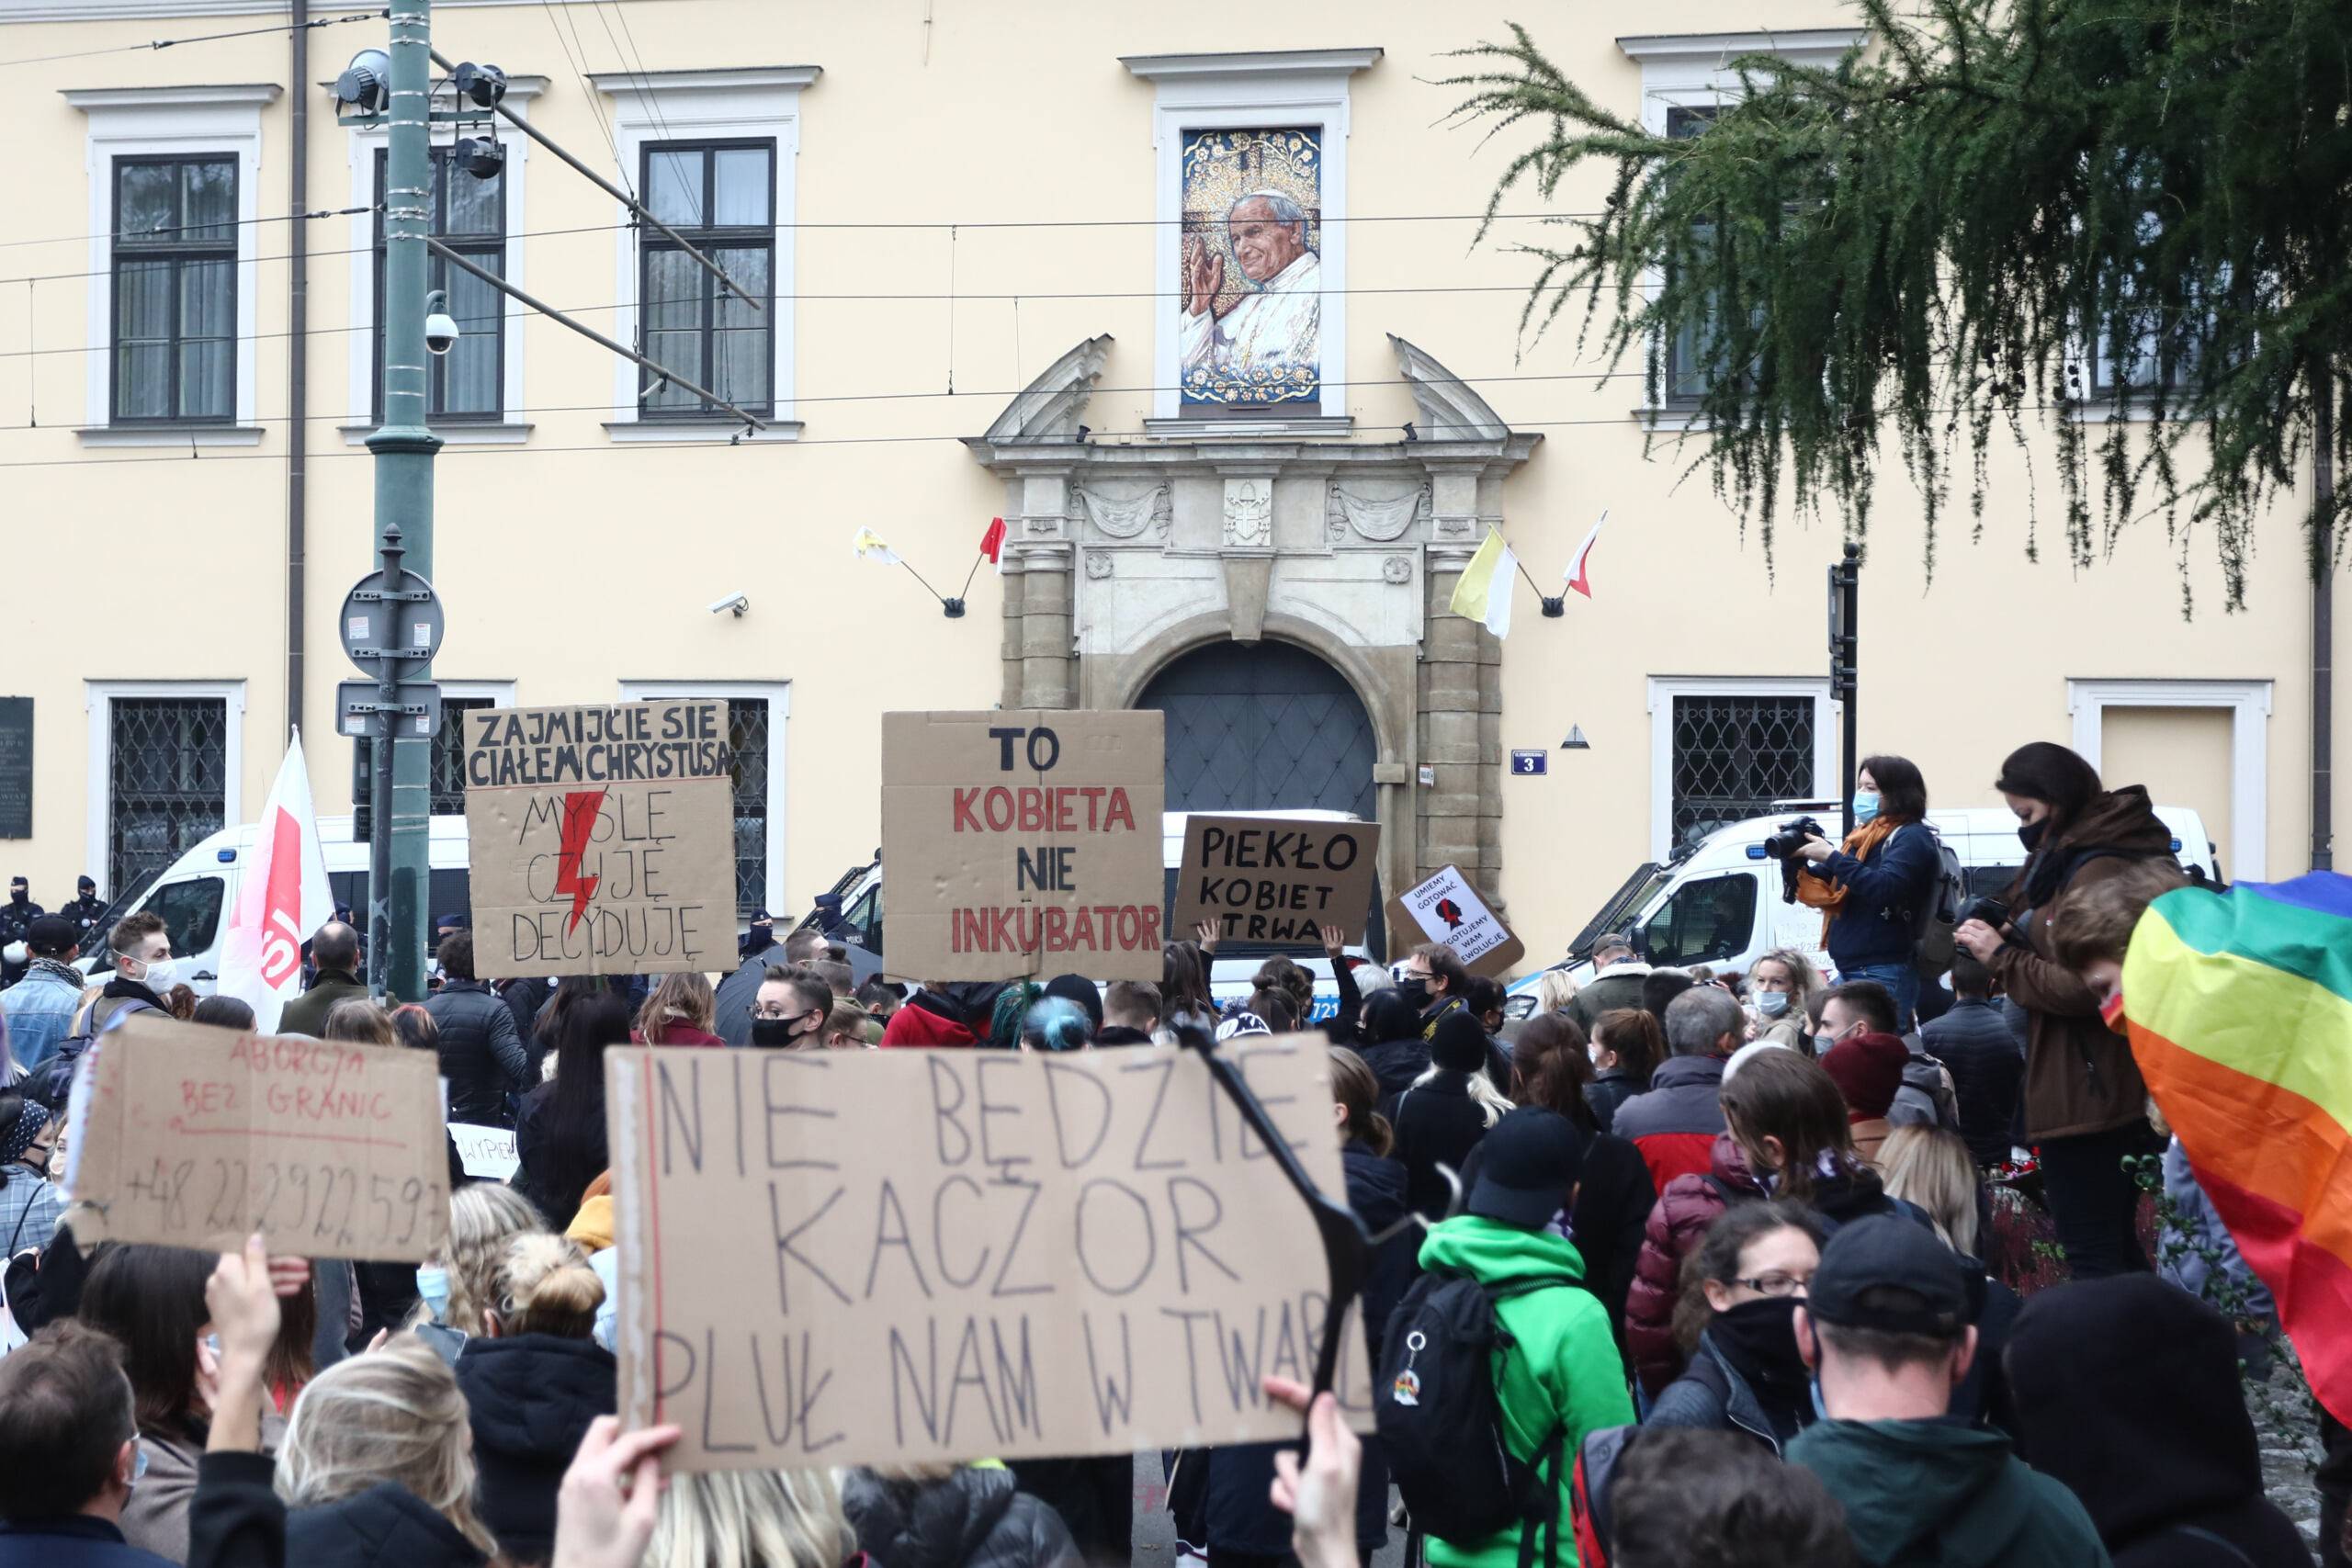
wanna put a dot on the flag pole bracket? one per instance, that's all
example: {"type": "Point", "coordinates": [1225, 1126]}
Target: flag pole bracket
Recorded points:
{"type": "Point", "coordinates": [953, 608]}
{"type": "Point", "coordinates": [1555, 606]}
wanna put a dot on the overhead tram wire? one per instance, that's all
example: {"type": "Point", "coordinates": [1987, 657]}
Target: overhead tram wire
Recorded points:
{"type": "Point", "coordinates": [154, 44]}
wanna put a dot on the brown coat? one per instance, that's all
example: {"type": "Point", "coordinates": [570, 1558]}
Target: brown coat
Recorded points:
{"type": "Point", "coordinates": [2079, 1075]}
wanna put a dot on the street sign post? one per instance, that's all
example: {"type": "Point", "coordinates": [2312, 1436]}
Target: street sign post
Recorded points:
{"type": "Point", "coordinates": [392, 625]}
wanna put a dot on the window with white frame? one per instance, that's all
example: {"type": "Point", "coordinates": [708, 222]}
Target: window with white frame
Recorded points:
{"type": "Point", "coordinates": [1250, 244]}
{"type": "Point", "coordinates": [175, 204]}
{"type": "Point", "coordinates": [1725, 749]}
{"type": "Point", "coordinates": [713, 153]}
{"type": "Point", "coordinates": [469, 215]}
{"type": "Point", "coordinates": [165, 759]}
{"type": "Point", "coordinates": [1687, 80]}
{"type": "Point", "coordinates": [757, 712]}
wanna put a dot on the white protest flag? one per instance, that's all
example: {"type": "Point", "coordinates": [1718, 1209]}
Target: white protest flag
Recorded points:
{"type": "Point", "coordinates": [282, 900]}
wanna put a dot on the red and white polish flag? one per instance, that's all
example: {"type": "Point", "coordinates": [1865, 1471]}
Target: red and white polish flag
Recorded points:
{"type": "Point", "coordinates": [1574, 577]}
{"type": "Point", "coordinates": [282, 900]}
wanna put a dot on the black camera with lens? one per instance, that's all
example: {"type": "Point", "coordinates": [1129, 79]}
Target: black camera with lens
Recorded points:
{"type": "Point", "coordinates": [1794, 837]}
{"type": "Point", "coordinates": [1783, 846]}
{"type": "Point", "coordinates": [1992, 911]}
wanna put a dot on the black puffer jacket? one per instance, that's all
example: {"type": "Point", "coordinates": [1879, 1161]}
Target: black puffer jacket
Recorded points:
{"type": "Point", "coordinates": [385, 1526]}
{"type": "Point", "coordinates": [532, 1397]}
{"type": "Point", "coordinates": [481, 1055]}
{"type": "Point", "coordinates": [1396, 1063]}
{"type": "Point", "coordinates": [973, 1518]}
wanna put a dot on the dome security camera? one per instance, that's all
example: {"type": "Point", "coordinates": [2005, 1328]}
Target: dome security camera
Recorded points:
{"type": "Point", "coordinates": [441, 333]}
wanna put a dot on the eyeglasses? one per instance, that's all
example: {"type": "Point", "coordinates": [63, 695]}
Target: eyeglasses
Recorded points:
{"type": "Point", "coordinates": [1776, 1284]}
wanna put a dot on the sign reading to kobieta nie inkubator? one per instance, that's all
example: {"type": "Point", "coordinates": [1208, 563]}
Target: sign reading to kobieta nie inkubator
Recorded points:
{"type": "Point", "coordinates": [601, 840]}
{"type": "Point", "coordinates": [1021, 844]}
{"type": "Point", "coordinates": [841, 1257]}
{"type": "Point", "coordinates": [195, 1136]}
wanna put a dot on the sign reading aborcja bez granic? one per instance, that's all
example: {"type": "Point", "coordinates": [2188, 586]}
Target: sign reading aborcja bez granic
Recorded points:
{"type": "Point", "coordinates": [1022, 843]}
{"type": "Point", "coordinates": [601, 840]}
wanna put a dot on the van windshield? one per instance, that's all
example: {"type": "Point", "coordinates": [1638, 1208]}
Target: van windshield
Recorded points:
{"type": "Point", "coordinates": [1702, 922]}
{"type": "Point", "coordinates": [1631, 896]}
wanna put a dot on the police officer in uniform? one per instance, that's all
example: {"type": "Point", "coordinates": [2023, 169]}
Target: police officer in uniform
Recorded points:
{"type": "Point", "coordinates": [84, 911]}
{"type": "Point", "coordinates": [17, 918]}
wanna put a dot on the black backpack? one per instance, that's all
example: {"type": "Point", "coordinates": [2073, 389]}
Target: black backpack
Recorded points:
{"type": "Point", "coordinates": [1441, 1422]}
{"type": "Point", "coordinates": [1938, 917]}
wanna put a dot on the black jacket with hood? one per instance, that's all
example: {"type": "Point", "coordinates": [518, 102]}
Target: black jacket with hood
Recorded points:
{"type": "Point", "coordinates": [971, 1518]}
{"type": "Point", "coordinates": [237, 1520]}
{"type": "Point", "coordinates": [481, 1054]}
{"type": "Point", "coordinates": [2126, 1389]}
{"type": "Point", "coordinates": [532, 1397]}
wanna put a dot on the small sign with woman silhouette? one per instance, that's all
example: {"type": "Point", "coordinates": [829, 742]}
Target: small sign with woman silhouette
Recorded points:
{"type": "Point", "coordinates": [1250, 320]}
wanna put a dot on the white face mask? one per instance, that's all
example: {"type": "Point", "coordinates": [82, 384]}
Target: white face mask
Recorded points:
{"type": "Point", "coordinates": [159, 974]}
{"type": "Point", "coordinates": [1772, 1004]}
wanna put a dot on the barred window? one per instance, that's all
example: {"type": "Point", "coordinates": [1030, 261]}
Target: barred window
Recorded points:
{"type": "Point", "coordinates": [448, 765]}
{"type": "Point", "coordinates": [167, 778]}
{"type": "Point", "coordinates": [1735, 755]}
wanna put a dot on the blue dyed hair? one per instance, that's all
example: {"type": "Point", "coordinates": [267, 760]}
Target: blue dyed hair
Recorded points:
{"type": "Point", "coordinates": [1056, 1023]}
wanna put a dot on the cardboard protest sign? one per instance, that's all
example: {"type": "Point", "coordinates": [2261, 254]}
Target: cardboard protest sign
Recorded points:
{"type": "Point", "coordinates": [1447, 908]}
{"type": "Point", "coordinates": [1277, 878]}
{"type": "Point", "coordinates": [487, 1153]}
{"type": "Point", "coordinates": [601, 840]}
{"type": "Point", "coordinates": [889, 1258]}
{"type": "Point", "coordinates": [1022, 843]}
{"type": "Point", "coordinates": [195, 1136]}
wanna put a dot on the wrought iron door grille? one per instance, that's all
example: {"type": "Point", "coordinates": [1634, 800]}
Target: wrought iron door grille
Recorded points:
{"type": "Point", "coordinates": [1736, 755]}
{"type": "Point", "coordinates": [448, 765]}
{"type": "Point", "coordinates": [167, 767]}
{"type": "Point", "coordinates": [746, 732]}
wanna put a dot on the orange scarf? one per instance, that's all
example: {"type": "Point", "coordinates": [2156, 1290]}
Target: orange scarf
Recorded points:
{"type": "Point", "coordinates": [1829, 897]}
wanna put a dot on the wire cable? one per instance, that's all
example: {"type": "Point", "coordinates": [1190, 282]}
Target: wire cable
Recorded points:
{"type": "Point", "coordinates": [199, 37]}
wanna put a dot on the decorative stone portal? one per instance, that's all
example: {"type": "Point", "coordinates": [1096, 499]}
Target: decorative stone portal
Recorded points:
{"type": "Point", "coordinates": [1120, 560]}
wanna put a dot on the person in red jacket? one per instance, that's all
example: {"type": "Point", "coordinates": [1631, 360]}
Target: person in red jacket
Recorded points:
{"type": "Point", "coordinates": [1674, 1123]}
{"type": "Point", "coordinates": [943, 1013]}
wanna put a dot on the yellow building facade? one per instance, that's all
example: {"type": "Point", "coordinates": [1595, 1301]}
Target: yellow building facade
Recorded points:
{"type": "Point", "coordinates": [1193, 300]}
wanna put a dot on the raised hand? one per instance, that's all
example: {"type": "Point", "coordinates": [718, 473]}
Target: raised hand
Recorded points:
{"type": "Point", "coordinates": [605, 1512]}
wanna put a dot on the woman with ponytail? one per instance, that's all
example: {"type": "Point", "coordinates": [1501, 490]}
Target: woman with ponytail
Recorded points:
{"type": "Point", "coordinates": [534, 1381]}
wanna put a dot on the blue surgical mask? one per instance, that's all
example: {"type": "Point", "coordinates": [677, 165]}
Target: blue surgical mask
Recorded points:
{"type": "Point", "coordinates": [432, 1285]}
{"type": "Point", "coordinates": [1865, 806]}
{"type": "Point", "coordinates": [1772, 1004]}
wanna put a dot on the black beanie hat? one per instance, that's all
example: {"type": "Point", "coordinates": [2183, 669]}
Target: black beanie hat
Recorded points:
{"type": "Point", "coordinates": [1459, 1045]}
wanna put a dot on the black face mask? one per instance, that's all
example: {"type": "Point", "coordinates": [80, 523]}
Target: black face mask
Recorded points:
{"type": "Point", "coordinates": [1415, 990]}
{"type": "Point", "coordinates": [775, 1033]}
{"type": "Point", "coordinates": [2031, 834]}
{"type": "Point", "coordinates": [16, 896]}
{"type": "Point", "coordinates": [1760, 1337]}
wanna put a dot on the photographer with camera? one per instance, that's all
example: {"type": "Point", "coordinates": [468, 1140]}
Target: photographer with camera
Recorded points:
{"type": "Point", "coordinates": [2086, 1105]}
{"type": "Point", "coordinates": [1872, 890]}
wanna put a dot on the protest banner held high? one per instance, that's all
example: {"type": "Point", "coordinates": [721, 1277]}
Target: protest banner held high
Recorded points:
{"type": "Point", "coordinates": [1025, 843]}
{"type": "Point", "coordinates": [843, 1258]}
{"type": "Point", "coordinates": [602, 840]}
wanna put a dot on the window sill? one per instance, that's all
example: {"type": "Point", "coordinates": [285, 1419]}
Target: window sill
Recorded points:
{"type": "Point", "coordinates": [1273, 427]}
{"type": "Point", "coordinates": [170, 434]}
{"type": "Point", "coordinates": [486, 433]}
{"type": "Point", "coordinates": [2135, 410]}
{"type": "Point", "coordinates": [1673, 419]}
{"type": "Point", "coordinates": [663, 431]}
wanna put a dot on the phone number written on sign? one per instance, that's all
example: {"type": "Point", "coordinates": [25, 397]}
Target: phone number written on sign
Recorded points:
{"type": "Point", "coordinates": [329, 1202]}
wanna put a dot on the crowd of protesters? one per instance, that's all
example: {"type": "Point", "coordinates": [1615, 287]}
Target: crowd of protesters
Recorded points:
{"type": "Point", "coordinates": [1759, 1264]}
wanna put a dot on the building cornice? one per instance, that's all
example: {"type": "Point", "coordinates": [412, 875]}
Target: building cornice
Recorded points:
{"type": "Point", "coordinates": [1251, 62]}
{"type": "Point", "coordinates": [718, 79]}
{"type": "Point", "coordinates": [1823, 44]}
{"type": "Point", "coordinates": [196, 96]}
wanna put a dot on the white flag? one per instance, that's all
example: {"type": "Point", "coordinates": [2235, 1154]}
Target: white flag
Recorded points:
{"type": "Point", "coordinates": [283, 899]}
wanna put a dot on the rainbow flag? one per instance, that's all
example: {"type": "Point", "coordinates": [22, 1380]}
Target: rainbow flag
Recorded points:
{"type": "Point", "coordinates": [2240, 1012]}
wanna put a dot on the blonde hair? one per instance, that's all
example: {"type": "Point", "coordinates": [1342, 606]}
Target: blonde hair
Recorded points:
{"type": "Point", "coordinates": [394, 1414]}
{"type": "Point", "coordinates": [360, 1022]}
{"type": "Point", "coordinates": [1555, 991]}
{"type": "Point", "coordinates": [1931, 1167]}
{"type": "Point", "coordinates": [483, 1217]}
{"type": "Point", "coordinates": [1492, 1103]}
{"type": "Point", "coordinates": [684, 998]}
{"type": "Point", "coordinates": [751, 1518]}
{"type": "Point", "coordinates": [544, 1285]}
{"type": "Point", "coordinates": [1809, 983]}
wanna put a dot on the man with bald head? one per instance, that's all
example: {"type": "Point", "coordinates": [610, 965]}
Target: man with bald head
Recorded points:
{"type": "Point", "coordinates": [1268, 341]}
{"type": "Point", "coordinates": [335, 953]}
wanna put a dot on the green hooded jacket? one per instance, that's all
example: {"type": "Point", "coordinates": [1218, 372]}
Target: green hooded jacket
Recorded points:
{"type": "Point", "coordinates": [1939, 1495]}
{"type": "Point", "coordinates": [1564, 1368]}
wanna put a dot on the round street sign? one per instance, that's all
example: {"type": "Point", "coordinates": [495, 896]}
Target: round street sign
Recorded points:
{"type": "Point", "coordinates": [377, 621]}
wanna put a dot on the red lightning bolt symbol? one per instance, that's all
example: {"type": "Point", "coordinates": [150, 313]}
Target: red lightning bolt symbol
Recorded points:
{"type": "Point", "coordinates": [580, 809]}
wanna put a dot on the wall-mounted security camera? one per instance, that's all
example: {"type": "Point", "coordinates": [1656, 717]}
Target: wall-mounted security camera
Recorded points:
{"type": "Point", "coordinates": [440, 328]}
{"type": "Point", "coordinates": [738, 602]}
